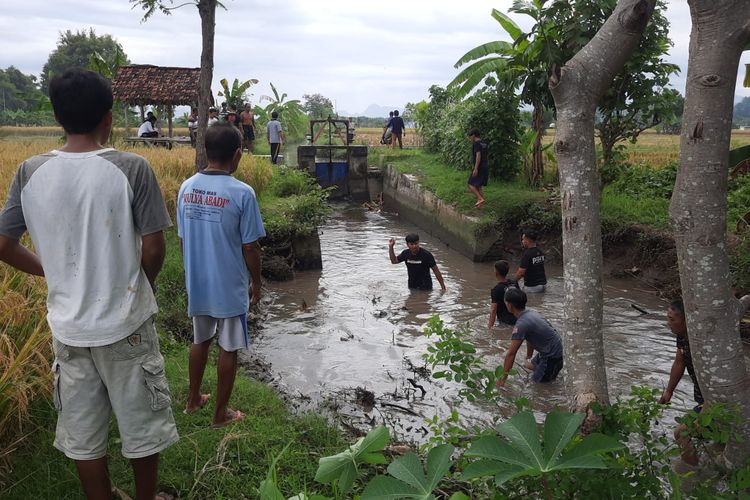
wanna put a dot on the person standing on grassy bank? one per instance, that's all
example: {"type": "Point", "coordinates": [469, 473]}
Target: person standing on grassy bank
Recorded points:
{"type": "Point", "coordinates": [539, 335]}
{"type": "Point", "coordinates": [480, 171]}
{"type": "Point", "coordinates": [96, 217]}
{"type": "Point", "coordinates": [275, 136]}
{"type": "Point", "coordinates": [498, 311]}
{"type": "Point", "coordinates": [398, 129]}
{"type": "Point", "coordinates": [531, 268]}
{"type": "Point", "coordinates": [419, 262]}
{"type": "Point", "coordinates": [219, 224]}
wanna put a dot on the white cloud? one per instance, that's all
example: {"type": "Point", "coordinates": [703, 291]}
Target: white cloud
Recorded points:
{"type": "Point", "coordinates": [355, 52]}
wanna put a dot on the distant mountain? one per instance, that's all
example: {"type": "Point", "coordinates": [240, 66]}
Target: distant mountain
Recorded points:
{"type": "Point", "coordinates": [376, 111]}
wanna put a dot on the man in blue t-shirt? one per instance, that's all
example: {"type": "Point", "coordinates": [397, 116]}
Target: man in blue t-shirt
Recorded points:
{"type": "Point", "coordinates": [539, 335]}
{"type": "Point", "coordinates": [419, 262]}
{"type": "Point", "coordinates": [219, 224]}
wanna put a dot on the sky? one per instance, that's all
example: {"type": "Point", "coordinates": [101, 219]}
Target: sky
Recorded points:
{"type": "Point", "coordinates": [355, 52]}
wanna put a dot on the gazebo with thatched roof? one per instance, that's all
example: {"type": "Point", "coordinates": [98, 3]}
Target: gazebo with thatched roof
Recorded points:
{"type": "Point", "coordinates": [145, 84]}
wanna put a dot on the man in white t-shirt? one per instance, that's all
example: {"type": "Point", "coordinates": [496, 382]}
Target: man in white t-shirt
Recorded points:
{"type": "Point", "coordinates": [213, 116]}
{"type": "Point", "coordinates": [95, 216]}
{"type": "Point", "coordinates": [147, 128]}
{"type": "Point", "coordinates": [275, 136]}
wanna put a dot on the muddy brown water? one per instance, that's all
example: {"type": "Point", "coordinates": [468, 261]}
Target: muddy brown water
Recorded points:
{"type": "Point", "coordinates": [349, 338]}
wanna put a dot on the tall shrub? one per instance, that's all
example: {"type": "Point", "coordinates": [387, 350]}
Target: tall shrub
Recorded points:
{"type": "Point", "coordinates": [448, 119]}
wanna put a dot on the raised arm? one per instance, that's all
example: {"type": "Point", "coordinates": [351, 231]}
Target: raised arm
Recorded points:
{"type": "Point", "coordinates": [391, 252]}
{"type": "Point", "coordinates": [252, 254]}
{"type": "Point", "coordinates": [20, 257]}
{"type": "Point", "coordinates": [154, 251]}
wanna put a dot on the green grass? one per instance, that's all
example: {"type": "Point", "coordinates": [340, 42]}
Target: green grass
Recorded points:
{"type": "Point", "coordinates": [206, 463]}
{"type": "Point", "coordinates": [626, 210]}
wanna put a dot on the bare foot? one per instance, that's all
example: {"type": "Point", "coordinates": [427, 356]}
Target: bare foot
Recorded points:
{"type": "Point", "coordinates": [230, 417]}
{"type": "Point", "coordinates": [192, 408]}
{"type": "Point", "coordinates": [479, 204]}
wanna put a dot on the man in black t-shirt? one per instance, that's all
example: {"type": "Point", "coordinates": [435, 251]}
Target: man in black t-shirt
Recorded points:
{"type": "Point", "coordinates": [398, 129]}
{"type": "Point", "coordinates": [480, 171]}
{"type": "Point", "coordinates": [497, 294]}
{"type": "Point", "coordinates": [418, 263]}
{"type": "Point", "coordinates": [531, 269]}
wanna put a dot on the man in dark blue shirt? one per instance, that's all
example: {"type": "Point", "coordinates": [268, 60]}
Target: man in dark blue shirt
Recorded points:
{"type": "Point", "coordinates": [418, 263]}
{"type": "Point", "coordinates": [398, 129]}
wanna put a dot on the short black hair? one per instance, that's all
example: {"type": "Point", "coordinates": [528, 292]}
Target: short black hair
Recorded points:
{"type": "Point", "coordinates": [222, 140]}
{"type": "Point", "coordinates": [530, 234]}
{"type": "Point", "coordinates": [412, 238]}
{"type": "Point", "coordinates": [516, 297]}
{"type": "Point", "coordinates": [390, 113]}
{"type": "Point", "coordinates": [502, 267]}
{"type": "Point", "coordinates": [678, 305]}
{"type": "Point", "coordinates": [395, 112]}
{"type": "Point", "coordinates": [80, 99]}
{"type": "Point", "coordinates": [475, 133]}
{"type": "Point", "coordinates": [274, 114]}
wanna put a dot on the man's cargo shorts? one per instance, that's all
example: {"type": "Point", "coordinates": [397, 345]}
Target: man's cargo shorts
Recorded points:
{"type": "Point", "coordinates": [127, 378]}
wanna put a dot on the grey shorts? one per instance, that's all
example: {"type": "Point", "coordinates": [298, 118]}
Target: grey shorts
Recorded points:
{"type": "Point", "coordinates": [230, 332]}
{"type": "Point", "coordinates": [127, 378]}
{"type": "Point", "coordinates": [535, 288]}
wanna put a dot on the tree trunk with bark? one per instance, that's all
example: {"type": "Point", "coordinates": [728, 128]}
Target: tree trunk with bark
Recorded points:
{"type": "Point", "coordinates": [721, 30]}
{"type": "Point", "coordinates": [207, 10]}
{"type": "Point", "coordinates": [537, 162]}
{"type": "Point", "coordinates": [577, 88]}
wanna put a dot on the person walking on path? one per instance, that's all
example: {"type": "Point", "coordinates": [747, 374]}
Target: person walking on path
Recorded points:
{"type": "Point", "coordinates": [398, 129]}
{"type": "Point", "coordinates": [539, 335]}
{"type": "Point", "coordinates": [531, 268]}
{"type": "Point", "coordinates": [219, 225]}
{"type": "Point", "coordinates": [248, 128]}
{"type": "Point", "coordinates": [480, 168]}
{"type": "Point", "coordinates": [275, 136]}
{"type": "Point", "coordinates": [419, 262]}
{"type": "Point", "coordinates": [498, 311]}
{"type": "Point", "coordinates": [95, 216]}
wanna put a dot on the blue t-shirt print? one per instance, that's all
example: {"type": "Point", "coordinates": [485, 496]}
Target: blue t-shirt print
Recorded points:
{"type": "Point", "coordinates": [216, 215]}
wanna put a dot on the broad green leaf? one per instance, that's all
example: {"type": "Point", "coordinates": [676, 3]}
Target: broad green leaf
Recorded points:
{"type": "Point", "coordinates": [585, 455]}
{"type": "Point", "coordinates": [459, 495]}
{"type": "Point", "coordinates": [438, 463]}
{"type": "Point", "coordinates": [508, 24]}
{"type": "Point", "coordinates": [495, 47]}
{"type": "Point", "coordinates": [522, 433]}
{"type": "Point", "coordinates": [384, 488]}
{"type": "Point", "coordinates": [347, 477]}
{"type": "Point", "coordinates": [512, 472]}
{"type": "Point", "coordinates": [409, 470]}
{"type": "Point", "coordinates": [474, 74]}
{"type": "Point", "coordinates": [494, 448]}
{"type": "Point", "coordinates": [559, 428]}
{"type": "Point", "coordinates": [269, 491]}
{"type": "Point", "coordinates": [374, 458]}
{"type": "Point", "coordinates": [331, 468]}
{"type": "Point", "coordinates": [483, 468]}
{"type": "Point", "coordinates": [343, 466]}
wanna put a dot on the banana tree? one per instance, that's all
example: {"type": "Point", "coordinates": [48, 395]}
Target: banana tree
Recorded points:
{"type": "Point", "coordinates": [524, 63]}
{"type": "Point", "coordinates": [235, 96]}
{"type": "Point", "coordinates": [291, 112]}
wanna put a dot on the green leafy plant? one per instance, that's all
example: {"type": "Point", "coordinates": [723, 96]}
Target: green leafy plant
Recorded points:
{"type": "Point", "coordinates": [236, 94]}
{"type": "Point", "coordinates": [407, 478]}
{"type": "Point", "coordinates": [341, 470]}
{"type": "Point", "coordinates": [521, 453]}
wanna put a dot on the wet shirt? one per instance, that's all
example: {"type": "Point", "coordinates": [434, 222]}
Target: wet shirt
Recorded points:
{"type": "Point", "coordinates": [498, 297]}
{"type": "Point", "coordinates": [536, 330]}
{"type": "Point", "coordinates": [532, 260]}
{"type": "Point", "coordinates": [418, 266]}
{"type": "Point", "coordinates": [216, 215]}
{"type": "Point", "coordinates": [683, 345]}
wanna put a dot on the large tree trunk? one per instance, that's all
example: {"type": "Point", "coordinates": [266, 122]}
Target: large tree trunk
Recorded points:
{"type": "Point", "coordinates": [577, 88]}
{"type": "Point", "coordinates": [537, 162]}
{"type": "Point", "coordinates": [721, 29]}
{"type": "Point", "coordinates": [207, 10]}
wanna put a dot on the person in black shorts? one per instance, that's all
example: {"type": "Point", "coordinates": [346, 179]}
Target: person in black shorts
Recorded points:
{"type": "Point", "coordinates": [683, 361]}
{"type": "Point", "coordinates": [480, 171]}
{"type": "Point", "coordinates": [419, 262]}
{"type": "Point", "coordinates": [498, 310]}
{"type": "Point", "coordinates": [531, 269]}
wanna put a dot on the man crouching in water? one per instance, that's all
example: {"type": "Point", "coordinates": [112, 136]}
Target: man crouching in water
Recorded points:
{"type": "Point", "coordinates": [539, 334]}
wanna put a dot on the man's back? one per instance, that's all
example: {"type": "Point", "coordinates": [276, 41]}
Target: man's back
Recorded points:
{"type": "Point", "coordinates": [274, 131]}
{"type": "Point", "coordinates": [397, 124]}
{"type": "Point", "coordinates": [85, 213]}
{"type": "Point", "coordinates": [535, 329]}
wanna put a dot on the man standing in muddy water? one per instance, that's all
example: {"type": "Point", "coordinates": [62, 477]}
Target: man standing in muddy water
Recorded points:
{"type": "Point", "coordinates": [96, 216]}
{"type": "Point", "coordinates": [539, 335]}
{"type": "Point", "coordinates": [531, 268]}
{"type": "Point", "coordinates": [419, 262]}
{"type": "Point", "coordinates": [219, 224]}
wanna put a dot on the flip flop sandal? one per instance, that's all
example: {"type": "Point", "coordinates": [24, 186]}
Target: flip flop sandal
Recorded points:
{"type": "Point", "coordinates": [204, 402]}
{"type": "Point", "coordinates": [236, 417]}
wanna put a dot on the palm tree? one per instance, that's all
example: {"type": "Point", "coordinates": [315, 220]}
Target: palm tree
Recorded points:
{"type": "Point", "coordinates": [523, 63]}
